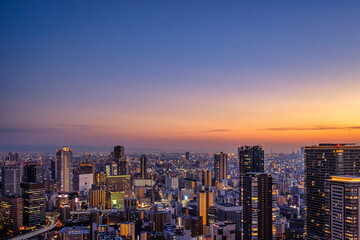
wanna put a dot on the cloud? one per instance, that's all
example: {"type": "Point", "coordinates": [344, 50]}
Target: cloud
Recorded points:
{"type": "Point", "coordinates": [216, 130]}
{"type": "Point", "coordinates": [203, 131]}
{"type": "Point", "coordinates": [315, 128]}
{"type": "Point", "coordinates": [58, 127]}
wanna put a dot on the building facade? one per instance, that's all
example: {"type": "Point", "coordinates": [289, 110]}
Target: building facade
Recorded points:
{"type": "Point", "coordinates": [322, 162]}
{"type": "Point", "coordinates": [64, 159]}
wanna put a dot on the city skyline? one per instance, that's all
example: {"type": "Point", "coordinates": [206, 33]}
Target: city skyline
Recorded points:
{"type": "Point", "coordinates": [204, 76]}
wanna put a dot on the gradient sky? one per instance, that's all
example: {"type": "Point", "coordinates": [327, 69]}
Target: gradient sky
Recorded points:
{"type": "Point", "coordinates": [179, 75]}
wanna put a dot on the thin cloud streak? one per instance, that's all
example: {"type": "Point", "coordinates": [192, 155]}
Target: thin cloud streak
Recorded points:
{"type": "Point", "coordinates": [216, 130]}
{"type": "Point", "coordinates": [41, 129]}
{"type": "Point", "coordinates": [316, 128]}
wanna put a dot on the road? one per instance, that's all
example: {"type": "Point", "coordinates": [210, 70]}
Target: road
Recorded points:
{"type": "Point", "coordinates": [52, 222]}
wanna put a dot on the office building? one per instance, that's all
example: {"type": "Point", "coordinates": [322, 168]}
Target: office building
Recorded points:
{"type": "Point", "coordinates": [111, 169]}
{"type": "Point", "coordinates": [100, 178]}
{"type": "Point", "coordinates": [127, 229]}
{"type": "Point", "coordinates": [34, 203]}
{"type": "Point", "coordinates": [85, 182]}
{"type": "Point", "coordinates": [251, 159]}
{"type": "Point", "coordinates": [220, 166]}
{"type": "Point", "coordinates": [257, 206]}
{"type": "Point", "coordinates": [172, 182]}
{"type": "Point", "coordinates": [64, 158]}
{"type": "Point", "coordinates": [74, 233]}
{"type": "Point", "coordinates": [228, 212]}
{"type": "Point", "coordinates": [223, 231]}
{"type": "Point", "coordinates": [11, 178]}
{"type": "Point", "coordinates": [322, 162]}
{"type": "Point", "coordinates": [119, 158]}
{"type": "Point", "coordinates": [97, 198]}
{"type": "Point", "coordinates": [187, 154]}
{"type": "Point", "coordinates": [206, 178]}
{"type": "Point", "coordinates": [342, 194]}
{"type": "Point", "coordinates": [143, 168]}
{"type": "Point", "coordinates": [205, 201]}
{"type": "Point", "coordinates": [87, 168]}
{"type": "Point", "coordinates": [33, 172]}
{"type": "Point", "coordinates": [119, 187]}
{"type": "Point", "coordinates": [11, 213]}
{"type": "Point", "coordinates": [159, 219]}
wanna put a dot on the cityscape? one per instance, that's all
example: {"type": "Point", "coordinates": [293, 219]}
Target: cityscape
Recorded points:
{"type": "Point", "coordinates": [179, 120]}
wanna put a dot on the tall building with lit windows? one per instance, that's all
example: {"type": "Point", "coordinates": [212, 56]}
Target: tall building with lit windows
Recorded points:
{"type": "Point", "coordinates": [11, 178]}
{"type": "Point", "coordinates": [251, 159]}
{"type": "Point", "coordinates": [120, 160]}
{"type": "Point", "coordinates": [257, 222]}
{"type": "Point", "coordinates": [118, 187]}
{"type": "Point", "coordinates": [143, 168]}
{"type": "Point", "coordinates": [322, 162]}
{"type": "Point", "coordinates": [220, 166]}
{"type": "Point", "coordinates": [342, 208]}
{"type": "Point", "coordinates": [205, 201]}
{"type": "Point", "coordinates": [64, 158]}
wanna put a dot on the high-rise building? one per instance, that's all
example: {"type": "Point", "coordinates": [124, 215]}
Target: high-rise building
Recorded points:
{"type": "Point", "coordinates": [206, 178]}
{"type": "Point", "coordinates": [322, 162]}
{"type": "Point", "coordinates": [85, 182]}
{"type": "Point", "coordinates": [111, 169]}
{"type": "Point", "coordinates": [220, 166]}
{"type": "Point", "coordinates": [143, 168]}
{"type": "Point", "coordinates": [100, 178]}
{"type": "Point", "coordinates": [11, 213]}
{"type": "Point", "coordinates": [342, 194]}
{"type": "Point", "coordinates": [97, 198]}
{"type": "Point", "coordinates": [11, 178]}
{"type": "Point", "coordinates": [34, 203]}
{"type": "Point", "coordinates": [87, 168]}
{"type": "Point", "coordinates": [64, 158]}
{"type": "Point", "coordinates": [127, 229]}
{"type": "Point", "coordinates": [33, 172]}
{"type": "Point", "coordinates": [257, 206]}
{"type": "Point", "coordinates": [120, 160]}
{"type": "Point", "coordinates": [228, 212]}
{"type": "Point", "coordinates": [159, 219]}
{"type": "Point", "coordinates": [172, 182]}
{"type": "Point", "coordinates": [187, 154]}
{"type": "Point", "coordinates": [205, 201]}
{"type": "Point", "coordinates": [251, 159]}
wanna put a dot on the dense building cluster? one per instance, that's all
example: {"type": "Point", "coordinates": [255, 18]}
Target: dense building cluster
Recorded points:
{"type": "Point", "coordinates": [184, 196]}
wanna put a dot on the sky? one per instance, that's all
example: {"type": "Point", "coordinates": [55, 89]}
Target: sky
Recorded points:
{"type": "Point", "coordinates": [203, 76]}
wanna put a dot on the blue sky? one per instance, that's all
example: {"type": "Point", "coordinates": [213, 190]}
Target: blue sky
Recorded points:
{"type": "Point", "coordinates": [126, 68]}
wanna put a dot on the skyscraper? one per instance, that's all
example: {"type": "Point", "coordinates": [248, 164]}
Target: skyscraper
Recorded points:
{"type": "Point", "coordinates": [257, 206]}
{"type": "Point", "coordinates": [342, 194]}
{"type": "Point", "coordinates": [33, 172]}
{"type": "Point", "coordinates": [206, 178]}
{"type": "Point", "coordinates": [143, 168]}
{"type": "Point", "coordinates": [205, 201]}
{"type": "Point", "coordinates": [64, 158]}
{"type": "Point", "coordinates": [119, 158]}
{"type": "Point", "coordinates": [220, 166]}
{"type": "Point", "coordinates": [33, 192]}
{"type": "Point", "coordinates": [11, 213]}
{"type": "Point", "coordinates": [11, 178]}
{"type": "Point", "coordinates": [187, 154]}
{"type": "Point", "coordinates": [322, 162]}
{"type": "Point", "coordinates": [251, 159]}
